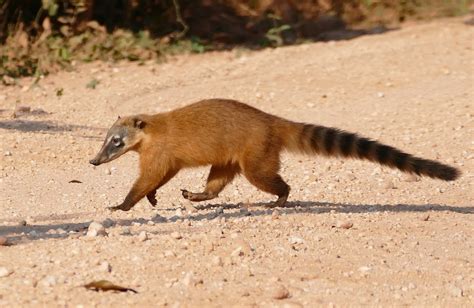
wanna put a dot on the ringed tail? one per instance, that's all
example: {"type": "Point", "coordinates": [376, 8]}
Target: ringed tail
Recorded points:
{"type": "Point", "coordinates": [315, 139]}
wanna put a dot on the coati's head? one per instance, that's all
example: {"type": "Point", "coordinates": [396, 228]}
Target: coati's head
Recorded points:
{"type": "Point", "coordinates": [124, 135]}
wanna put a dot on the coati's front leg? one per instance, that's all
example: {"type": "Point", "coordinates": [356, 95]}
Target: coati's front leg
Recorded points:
{"type": "Point", "coordinates": [151, 196]}
{"type": "Point", "coordinates": [145, 185]}
{"type": "Point", "coordinates": [218, 178]}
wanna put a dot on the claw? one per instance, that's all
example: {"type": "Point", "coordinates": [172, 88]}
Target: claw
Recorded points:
{"type": "Point", "coordinates": [116, 208]}
{"type": "Point", "coordinates": [152, 199]}
{"type": "Point", "coordinates": [185, 193]}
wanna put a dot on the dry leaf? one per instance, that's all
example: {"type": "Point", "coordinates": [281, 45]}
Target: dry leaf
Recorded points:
{"type": "Point", "coordinates": [105, 285]}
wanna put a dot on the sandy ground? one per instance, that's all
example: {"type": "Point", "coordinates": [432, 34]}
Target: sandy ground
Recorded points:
{"type": "Point", "coordinates": [411, 243]}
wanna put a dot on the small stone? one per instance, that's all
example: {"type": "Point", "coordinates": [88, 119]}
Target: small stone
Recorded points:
{"type": "Point", "coordinates": [176, 235]}
{"type": "Point", "coordinates": [425, 217]}
{"type": "Point", "coordinates": [244, 212]}
{"type": "Point", "coordinates": [296, 240]}
{"type": "Point", "coordinates": [5, 272]}
{"type": "Point", "coordinates": [217, 261]}
{"type": "Point", "coordinates": [189, 280]}
{"type": "Point", "coordinates": [169, 254]}
{"type": "Point", "coordinates": [7, 153]}
{"type": "Point", "coordinates": [108, 172]}
{"type": "Point", "coordinates": [105, 267]}
{"type": "Point", "coordinates": [219, 211]}
{"type": "Point", "coordinates": [411, 178]}
{"type": "Point", "coordinates": [48, 281]}
{"type": "Point", "coordinates": [275, 214]}
{"type": "Point", "coordinates": [179, 212]}
{"type": "Point", "coordinates": [344, 224]}
{"type": "Point", "coordinates": [33, 233]}
{"type": "Point", "coordinates": [126, 231]}
{"type": "Point", "coordinates": [455, 291]}
{"type": "Point", "coordinates": [143, 236]}
{"type": "Point", "coordinates": [22, 109]}
{"type": "Point", "coordinates": [280, 292]}
{"type": "Point", "coordinates": [380, 94]}
{"type": "Point", "coordinates": [96, 229]}
{"type": "Point", "coordinates": [107, 223]}
{"type": "Point", "coordinates": [4, 241]}
{"type": "Point", "coordinates": [22, 223]}
{"type": "Point", "coordinates": [389, 184]}
{"type": "Point", "coordinates": [365, 269]}
{"type": "Point", "coordinates": [237, 252]}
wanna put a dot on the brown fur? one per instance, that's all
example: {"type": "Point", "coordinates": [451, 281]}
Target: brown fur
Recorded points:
{"type": "Point", "coordinates": [236, 138]}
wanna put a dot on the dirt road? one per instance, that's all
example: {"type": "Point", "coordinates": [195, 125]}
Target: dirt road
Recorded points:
{"type": "Point", "coordinates": [411, 241]}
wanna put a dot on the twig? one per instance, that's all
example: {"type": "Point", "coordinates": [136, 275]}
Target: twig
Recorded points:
{"type": "Point", "coordinates": [180, 19]}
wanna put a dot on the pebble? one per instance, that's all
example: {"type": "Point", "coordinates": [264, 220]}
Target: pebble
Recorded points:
{"type": "Point", "coordinates": [176, 235]}
{"type": "Point", "coordinates": [104, 266]}
{"type": "Point", "coordinates": [48, 281]}
{"type": "Point", "coordinates": [107, 223]}
{"type": "Point", "coordinates": [275, 214]}
{"type": "Point", "coordinates": [217, 261]}
{"type": "Point", "coordinates": [280, 292]}
{"type": "Point", "coordinates": [143, 236]}
{"type": "Point", "coordinates": [169, 254]}
{"type": "Point", "coordinates": [388, 184]}
{"type": "Point", "coordinates": [5, 272]}
{"type": "Point", "coordinates": [411, 178]}
{"type": "Point", "coordinates": [455, 291]}
{"type": "Point", "coordinates": [425, 217]}
{"type": "Point", "coordinates": [4, 241]}
{"type": "Point", "coordinates": [190, 280]}
{"type": "Point", "coordinates": [126, 231]}
{"type": "Point", "coordinates": [7, 153]}
{"type": "Point", "coordinates": [22, 109]}
{"type": "Point", "coordinates": [344, 224]}
{"type": "Point", "coordinates": [365, 269]}
{"type": "Point", "coordinates": [179, 212]}
{"type": "Point", "coordinates": [107, 171]}
{"type": "Point", "coordinates": [96, 229]}
{"type": "Point", "coordinates": [296, 240]}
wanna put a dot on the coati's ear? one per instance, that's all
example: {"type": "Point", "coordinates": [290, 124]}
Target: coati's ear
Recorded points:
{"type": "Point", "coordinates": [139, 123]}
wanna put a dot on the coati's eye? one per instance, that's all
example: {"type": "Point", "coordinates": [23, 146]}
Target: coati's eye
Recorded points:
{"type": "Point", "coordinates": [117, 141]}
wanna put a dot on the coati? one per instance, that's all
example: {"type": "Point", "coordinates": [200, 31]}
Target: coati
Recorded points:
{"type": "Point", "coordinates": [236, 138]}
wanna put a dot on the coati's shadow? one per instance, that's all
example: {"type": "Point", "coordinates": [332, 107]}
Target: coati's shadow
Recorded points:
{"type": "Point", "coordinates": [17, 234]}
{"type": "Point", "coordinates": [48, 127]}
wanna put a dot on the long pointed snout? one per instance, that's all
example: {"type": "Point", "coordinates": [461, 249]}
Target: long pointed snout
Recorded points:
{"type": "Point", "coordinates": [94, 162]}
{"type": "Point", "coordinates": [100, 158]}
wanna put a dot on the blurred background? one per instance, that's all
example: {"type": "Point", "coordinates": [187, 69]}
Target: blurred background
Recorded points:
{"type": "Point", "coordinates": [41, 36]}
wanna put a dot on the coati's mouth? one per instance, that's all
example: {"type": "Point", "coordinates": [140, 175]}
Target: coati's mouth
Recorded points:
{"type": "Point", "coordinates": [94, 162]}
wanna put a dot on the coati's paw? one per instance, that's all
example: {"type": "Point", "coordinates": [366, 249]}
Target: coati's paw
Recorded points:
{"type": "Point", "coordinates": [186, 194]}
{"type": "Point", "coordinates": [118, 207]}
{"type": "Point", "coordinates": [193, 196]}
{"type": "Point", "coordinates": [152, 198]}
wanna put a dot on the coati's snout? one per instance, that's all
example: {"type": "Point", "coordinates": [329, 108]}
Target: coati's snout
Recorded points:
{"type": "Point", "coordinates": [121, 137]}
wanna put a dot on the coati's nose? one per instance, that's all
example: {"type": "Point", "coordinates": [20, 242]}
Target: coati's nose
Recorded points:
{"type": "Point", "coordinates": [94, 161]}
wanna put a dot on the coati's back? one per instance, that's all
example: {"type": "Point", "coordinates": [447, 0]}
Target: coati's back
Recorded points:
{"type": "Point", "coordinates": [217, 132]}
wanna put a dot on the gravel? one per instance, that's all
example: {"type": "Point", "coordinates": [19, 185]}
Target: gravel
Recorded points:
{"type": "Point", "coordinates": [225, 251]}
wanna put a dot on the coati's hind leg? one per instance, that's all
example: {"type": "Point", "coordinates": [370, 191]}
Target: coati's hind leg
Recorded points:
{"type": "Point", "coordinates": [263, 173]}
{"type": "Point", "coordinates": [151, 196]}
{"type": "Point", "coordinates": [218, 178]}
